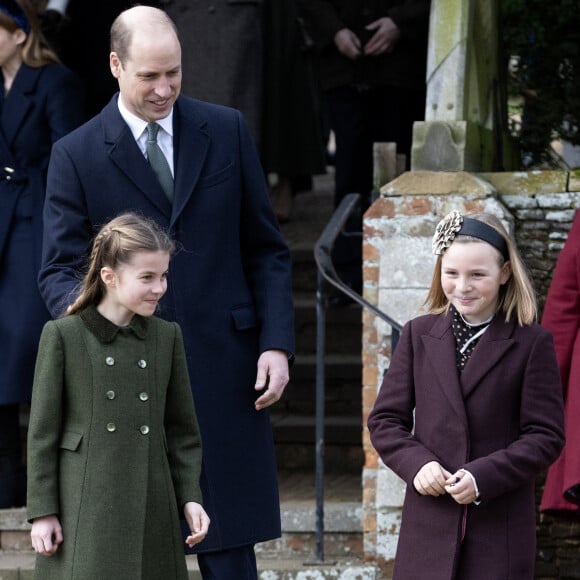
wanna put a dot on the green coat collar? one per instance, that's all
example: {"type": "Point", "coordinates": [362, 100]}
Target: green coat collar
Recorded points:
{"type": "Point", "coordinates": [106, 331]}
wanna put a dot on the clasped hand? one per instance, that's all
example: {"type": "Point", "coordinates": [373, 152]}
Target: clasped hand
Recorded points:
{"type": "Point", "coordinates": [433, 479]}
{"type": "Point", "coordinates": [384, 39]}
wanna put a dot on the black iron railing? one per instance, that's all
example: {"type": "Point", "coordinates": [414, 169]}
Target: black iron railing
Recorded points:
{"type": "Point", "coordinates": [327, 275]}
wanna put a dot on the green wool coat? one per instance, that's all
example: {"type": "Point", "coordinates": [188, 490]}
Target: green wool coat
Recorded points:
{"type": "Point", "coordinates": [114, 448]}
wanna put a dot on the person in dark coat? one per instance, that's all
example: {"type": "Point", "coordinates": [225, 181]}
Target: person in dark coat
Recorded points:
{"type": "Point", "coordinates": [470, 412]}
{"type": "Point", "coordinates": [223, 53]}
{"type": "Point", "coordinates": [371, 63]}
{"type": "Point", "coordinates": [231, 278]}
{"type": "Point", "coordinates": [79, 32]}
{"type": "Point", "coordinates": [292, 143]}
{"type": "Point", "coordinates": [114, 449]}
{"type": "Point", "coordinates": [562, 317]}
{"type": "Point", "coordinates": [40, 101]}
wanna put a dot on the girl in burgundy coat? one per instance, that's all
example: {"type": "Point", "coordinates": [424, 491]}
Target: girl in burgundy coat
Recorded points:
{"type": "Point", "coordinates": [470, 412]}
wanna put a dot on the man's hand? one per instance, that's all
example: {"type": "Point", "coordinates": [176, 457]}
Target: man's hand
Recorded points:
{"type": "Point", "coordinates": [385, 37]}
{"type": "Point", "coordinates": [348, 43]}
{"type": "Point", "coordinates": [272, 373]}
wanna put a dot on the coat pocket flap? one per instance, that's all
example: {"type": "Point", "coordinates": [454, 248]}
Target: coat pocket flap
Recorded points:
{"type": "Point", "coordinates": [70, 440]}
{"type": "Point", "coordinates": [245, 317]}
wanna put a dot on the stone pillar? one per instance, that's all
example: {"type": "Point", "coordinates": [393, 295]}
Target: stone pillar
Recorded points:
{"type": "Point", "coordinates": [463, 127]}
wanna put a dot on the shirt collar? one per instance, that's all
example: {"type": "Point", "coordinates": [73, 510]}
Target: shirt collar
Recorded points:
{"type": "Point", "coordinates": [137, 125]}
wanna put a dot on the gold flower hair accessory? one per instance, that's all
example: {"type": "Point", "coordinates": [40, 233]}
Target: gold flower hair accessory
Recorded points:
{"type": "Point", "coordinates": [446, 231]}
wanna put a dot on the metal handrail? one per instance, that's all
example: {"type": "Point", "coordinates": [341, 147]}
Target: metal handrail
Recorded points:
{"type": "Point", "coordinates": [327, 273]}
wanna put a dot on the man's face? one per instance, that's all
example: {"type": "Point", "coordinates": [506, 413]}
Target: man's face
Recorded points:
{"type": "Point", "coordinates": [150, 77]}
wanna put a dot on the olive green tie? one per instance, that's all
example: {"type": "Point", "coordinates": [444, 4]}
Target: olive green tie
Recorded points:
{"type": "Point", "coordinates": [158, 161]}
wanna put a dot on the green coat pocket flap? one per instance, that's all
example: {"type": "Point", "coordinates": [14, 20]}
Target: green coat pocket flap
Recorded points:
{"type": "Point", "coordinates": [70, 440]}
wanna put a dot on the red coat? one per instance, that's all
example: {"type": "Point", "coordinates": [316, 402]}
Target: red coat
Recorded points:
{"type": "Point", "coordinates": [503, 422]}
{"type": "Point", "coordinates": [562, 317]}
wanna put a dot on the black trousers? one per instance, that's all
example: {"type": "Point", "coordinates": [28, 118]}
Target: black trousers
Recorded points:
{"type": "Point", "coordinates": [360, 117]}
{"type": "Point", "coordinates": [233, 564]}
{"type": "Point", "coordinates": [12, 472]}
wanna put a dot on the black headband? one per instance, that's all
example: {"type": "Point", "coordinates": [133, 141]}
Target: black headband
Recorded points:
{"type": "Point", "coordinates": [482, 231]}
{"type": "Point", "coordinates": [13, 10]}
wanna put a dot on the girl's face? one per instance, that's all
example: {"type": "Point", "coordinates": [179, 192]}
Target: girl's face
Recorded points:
{"type": "Point", "coordinates": [134, 288]}
{"type": "Point", "coordinates": [471, 278]}
{"type": "Point", "coordinates": [11, 47]}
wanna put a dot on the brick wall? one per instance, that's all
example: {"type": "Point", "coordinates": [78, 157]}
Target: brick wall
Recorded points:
{"type": "Point", "coordinates": [538, 208]}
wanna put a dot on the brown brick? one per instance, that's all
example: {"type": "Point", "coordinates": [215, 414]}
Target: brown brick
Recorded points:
{"type": "Point", "coordinates": [381, 208]}
{"type": "Point", "coordinates": [370, 376]}
{"type": "Point", "coordinates": [371, 273]}
{"type": "Point", "coordinates": [416, 206]}
{"type": "Point", "coordinates": [370, 253]}
{"type": "Point", "coordinates": [371, 459]}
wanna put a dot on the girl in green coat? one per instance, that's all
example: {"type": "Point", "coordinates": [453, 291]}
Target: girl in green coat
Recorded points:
{"type": "Point", "coordinates": [114, 448]}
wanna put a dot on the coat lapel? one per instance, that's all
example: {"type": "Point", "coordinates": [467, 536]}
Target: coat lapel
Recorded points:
{"type": "Point", "coordinates": [126, 155]}
{"type": "Point", "coordinates": [20, 100]}
{"type": "Point", "coordinates": [190, 146]}
{"type": "Point", "coordinates": [440, 350]}
{"type": "Point", "coordinates": [491, 348]}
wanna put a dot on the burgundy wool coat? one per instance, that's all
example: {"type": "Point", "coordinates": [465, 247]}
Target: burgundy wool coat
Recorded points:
{"type": "Point", "coordinates": [562, 317]}
{"type": "Point", "coordinates": [502, 421]}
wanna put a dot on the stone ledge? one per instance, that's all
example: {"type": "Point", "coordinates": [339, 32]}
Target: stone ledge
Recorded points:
{"type": "Point", "coordinates": [438, 183]}
{"type": "Point", "coordinates": [17, 566]}
{"type": "Point", "coordinates": [528, 182]}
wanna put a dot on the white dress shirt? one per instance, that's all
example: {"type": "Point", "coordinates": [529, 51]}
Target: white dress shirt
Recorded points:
{"type": "Point", "coordinates": [139, 129]}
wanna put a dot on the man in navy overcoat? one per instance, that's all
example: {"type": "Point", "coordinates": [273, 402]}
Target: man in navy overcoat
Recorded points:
{"type": "Point", "coordinates": [229, 282]}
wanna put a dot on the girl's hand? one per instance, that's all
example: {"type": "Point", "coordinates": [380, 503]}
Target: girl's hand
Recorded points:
{"type": "Point", "coordinates": [198, 522]}
{"type": "Point", "coordinates": [46, 535]}
{"type": "Point", "coordinates": [461, 488]}
{"type": "Point", "coordinates": [431, 479]}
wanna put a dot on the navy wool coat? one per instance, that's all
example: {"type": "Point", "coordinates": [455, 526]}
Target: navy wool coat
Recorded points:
{"type": "Point", "coordinates": [43, 104]}
{"type": "Point", "coordinates": [502, 421]}
{"type": "Point", "coordinates": [229, 284]}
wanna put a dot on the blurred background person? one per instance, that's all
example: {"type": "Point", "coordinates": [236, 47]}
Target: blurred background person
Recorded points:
{"type": "Point", "coordinates": [293, 147]}
{"type": "Point", "coordinates": [222, 58]}
{"type": "Point", "coordinates": [371, 64]}
{"type": "Point", "coordinates": [79, 31]}
{"type": "Point", "coordinates": [40, 101]}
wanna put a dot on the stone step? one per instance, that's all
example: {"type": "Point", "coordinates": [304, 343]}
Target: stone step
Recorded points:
{"type": "Point", "coordinates": [343, 379]}
{"type": "Point", "coordinates": [304, 271]}
{"type": "Point", "coordinates": [18, 566]}
{"type": "Point", "coordinates": [343, 327]}
{"type": "Point", "coordinates": [291, 557]}
{"type": "Point", "coordinates": [338, 430]}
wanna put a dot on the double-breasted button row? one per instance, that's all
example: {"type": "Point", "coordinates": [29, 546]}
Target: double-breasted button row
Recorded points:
{"type": "Point", "coordinates": [144, 429]}
{"type": "Point", "coordinates": [110, 394]}
{"type": "Point", "coordinates": [110, 361]}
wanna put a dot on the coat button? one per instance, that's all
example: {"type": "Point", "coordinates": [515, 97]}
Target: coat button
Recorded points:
{"type": "Point", "coordinates": [144, 396]}
{"type": "Point", "coordinates": [111, 427]}
{"type": "Point", "coordinates": [110, 361]}
{"type": "Point", "coordinates": [141, 363]}
{"type": "Point", "coordinates": [211, 9]}
{"type": "Point", "coordinates": [110, 395]}
{"type": "Point", "coordinates": [144, 429]}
